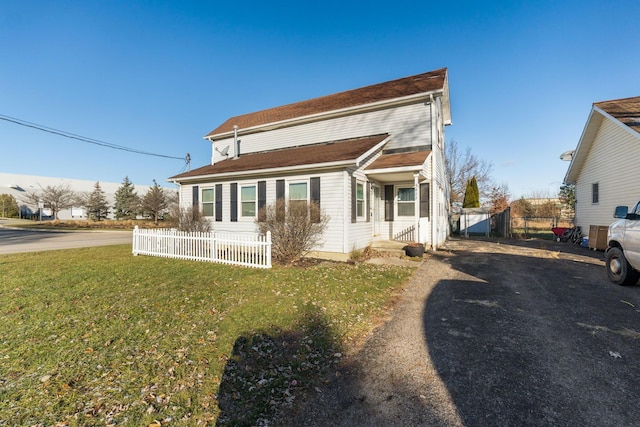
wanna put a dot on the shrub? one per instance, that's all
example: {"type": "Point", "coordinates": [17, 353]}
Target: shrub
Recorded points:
{"type": "Point", "coordinates": [189, 219]}
{"type": "Point", "coordinates": [296, 228]}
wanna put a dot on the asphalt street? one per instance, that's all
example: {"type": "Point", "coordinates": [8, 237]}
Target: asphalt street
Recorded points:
{"type": "Point", "coordinates": [21, 240]}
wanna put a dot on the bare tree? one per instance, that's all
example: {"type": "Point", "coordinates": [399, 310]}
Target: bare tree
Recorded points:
{"type": "Point", "coordinates": [539, 194]}
{"type": "Point", "coordinates": [499, 198]}
{"type": "Point", "coordinates": [461, 166]}
{"type": "Point", "coordinates": [54, 197]}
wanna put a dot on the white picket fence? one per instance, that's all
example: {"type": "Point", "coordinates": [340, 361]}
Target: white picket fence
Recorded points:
{"type": "Point", "coordinates": [249, 250]}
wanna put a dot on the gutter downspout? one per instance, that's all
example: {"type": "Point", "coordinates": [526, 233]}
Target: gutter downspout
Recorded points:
{"type": "Point", "coordinates": [213, 152]}
{"type": "Point", "coordinates": [416, 219]}
{"type": "Point", "coordinates": [433, 218]}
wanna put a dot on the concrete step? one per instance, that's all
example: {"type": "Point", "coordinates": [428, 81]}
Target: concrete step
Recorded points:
{"type": "Point", "coordinates": [390, 248]}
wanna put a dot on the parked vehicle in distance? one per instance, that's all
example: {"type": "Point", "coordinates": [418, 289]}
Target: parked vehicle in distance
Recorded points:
{"type": "Point", "coordinates": [622, 256]}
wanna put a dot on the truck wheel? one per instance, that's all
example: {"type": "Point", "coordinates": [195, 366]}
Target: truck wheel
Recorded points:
{"type": "Point", "coordinates": [619, 271]}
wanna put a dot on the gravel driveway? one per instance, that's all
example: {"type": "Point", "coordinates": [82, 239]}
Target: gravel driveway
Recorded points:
{"type": "Point", "coordinates": [500, 334]}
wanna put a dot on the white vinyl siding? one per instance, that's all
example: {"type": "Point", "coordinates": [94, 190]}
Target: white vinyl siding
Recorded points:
{"type": "Point", "coordinates": [612, 162]}
{"type": "Point", "coordinates": [409, 126]}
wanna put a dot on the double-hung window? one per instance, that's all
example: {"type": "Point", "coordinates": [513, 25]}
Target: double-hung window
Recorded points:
{"type": "Point", "coordinates": [406, 201]}
{"type": "Point", "coordinates": [207, 202]}
{"type": "Point", "coordinates": [359, 200]}
{"type": "Point", "coordinates": [298, 194]}
{"type": "Point", "coordinates": [595, 193]}
{"type": "Point", "coordinates": [248, 200]}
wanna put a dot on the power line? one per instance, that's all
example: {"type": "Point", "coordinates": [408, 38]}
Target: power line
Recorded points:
{"type": "Point", "coordinates": [82, 138]}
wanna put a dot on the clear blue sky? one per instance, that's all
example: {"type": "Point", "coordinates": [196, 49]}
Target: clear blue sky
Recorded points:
{"type": "Point", "coordinates": [157, 76]}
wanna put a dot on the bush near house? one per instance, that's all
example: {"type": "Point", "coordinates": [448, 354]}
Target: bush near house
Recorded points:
{"type": "Point", "coordinates": [97, 336]}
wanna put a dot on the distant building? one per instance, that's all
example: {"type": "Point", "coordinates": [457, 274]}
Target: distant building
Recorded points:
{"type": "Point", "coordinates": [18, 186]}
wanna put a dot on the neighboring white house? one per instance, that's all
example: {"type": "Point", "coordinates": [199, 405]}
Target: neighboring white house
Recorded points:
{"type": "Point", "coordinates": [373, 158]}
{"type": "Point", "coordinates": [605, 167]}
{"type": "Point", "coordinates": [18, 186]}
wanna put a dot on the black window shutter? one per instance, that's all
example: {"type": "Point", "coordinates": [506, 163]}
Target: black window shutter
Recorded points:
{"type": "Point", "coordinates": [234, 202]}
{"type": "Point", "coordinates": [315, 190]}
{"type": "Point", "coordinates": [388, 202]}
{"type": "Point", "coordinates": [218, 202]}
{"type": "Point", "coordinates": [424, 200]}
{"type": "Point", "coordinates": [368, 197]}
{"type": "Point", "coordinates": [314, 183]}
{"type": "Point", "coordinates": [280, 203]}
{"type": "Point", "coordinates": [195, 198]}
{"type": "Point", "coordinates": [354, 201]}
{"type": "Point", "coordinates": [279, 189]}
{"type": "Point", "coordinates": [262, 200]}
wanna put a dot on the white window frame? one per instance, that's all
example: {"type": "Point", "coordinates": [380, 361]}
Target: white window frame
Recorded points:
{"type": "Point", "coordinates": [241, 202]}
{"type": "Point", "coordinates": [361, 203]}
{"type": "Point", "coordinates": [212, 202]}
{"type": "Point", "coordinates": [298, 181]}
{"type": "Point", "coordinates": [398, 202]}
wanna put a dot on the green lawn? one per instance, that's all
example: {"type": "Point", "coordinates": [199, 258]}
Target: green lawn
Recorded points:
{"type": "Point", "coordinates": [97, 336]}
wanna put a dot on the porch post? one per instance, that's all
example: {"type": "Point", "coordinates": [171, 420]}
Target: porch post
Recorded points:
{"type": "Point", "coordinates": [416, 211]}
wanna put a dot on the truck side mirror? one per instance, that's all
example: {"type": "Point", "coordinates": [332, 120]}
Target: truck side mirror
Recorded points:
{"type": "Point", "coordinates": [621, 212]}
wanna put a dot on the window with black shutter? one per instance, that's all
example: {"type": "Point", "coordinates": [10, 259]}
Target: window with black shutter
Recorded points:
{"type": "Point", "coordinates": [218, 196]}
{"type": "Point", "coordinates": [233, 213]}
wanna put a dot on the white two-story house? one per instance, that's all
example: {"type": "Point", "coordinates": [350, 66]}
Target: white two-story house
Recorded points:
{"type": "Point", "coordinates": [373, 158]}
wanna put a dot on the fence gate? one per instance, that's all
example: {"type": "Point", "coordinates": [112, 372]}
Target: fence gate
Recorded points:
{"type": "Point", "coordinates": [502, 223]}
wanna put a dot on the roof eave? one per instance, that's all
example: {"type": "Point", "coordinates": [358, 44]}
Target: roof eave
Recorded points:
{"type": "Point", "coordinates": [584, 143]}
{"type": "Point", "coordinates": [268, 171]}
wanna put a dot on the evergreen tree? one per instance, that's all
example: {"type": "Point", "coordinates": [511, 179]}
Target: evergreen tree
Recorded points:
{"type": "Point", "coordinates": [471, 195]}
{"type": "Point", "coordinates": [8, 206]}
{"type": "Point", "coordinates": [522, 208]}
{"type": "Point", "coordinates": [154, 203]}
{"type": "Point", "coordinates": [567, 195]}
{"type": "Point", "coordinates": [96, 204]}
{"type": "Point", "coordinates": [127, 201]}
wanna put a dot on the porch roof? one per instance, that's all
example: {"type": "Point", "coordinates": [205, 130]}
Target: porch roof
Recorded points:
{"type": "Point", "coordinates": [397, 166]}
{"type": "Point", "coordinates": [306, 156]}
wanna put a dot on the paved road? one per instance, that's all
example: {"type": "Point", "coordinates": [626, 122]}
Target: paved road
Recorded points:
{"type": "Point", "coordinates": [17, 240]}
{"type": "Point", "coordinates": [496, 334]}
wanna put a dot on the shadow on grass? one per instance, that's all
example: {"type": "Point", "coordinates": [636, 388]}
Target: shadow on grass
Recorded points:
{"type": "Point", "coordinates": [267, 371]}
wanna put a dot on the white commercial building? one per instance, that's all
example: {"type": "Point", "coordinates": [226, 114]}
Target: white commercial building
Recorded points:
{"type": "Point", "coordinates": [19, 186]}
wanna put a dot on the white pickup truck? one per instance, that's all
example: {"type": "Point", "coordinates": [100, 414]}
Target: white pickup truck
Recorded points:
{"type": "Point", "coordinates": [622, 255]}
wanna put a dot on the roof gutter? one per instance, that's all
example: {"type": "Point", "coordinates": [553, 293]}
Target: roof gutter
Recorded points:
{"type": "Point", "coordinates": [270, 171]}
{"type": "Point", "coordinates": [398, 169]}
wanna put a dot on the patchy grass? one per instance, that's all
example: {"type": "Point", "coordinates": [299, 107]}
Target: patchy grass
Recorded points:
{"type": "Point", "coordinates": [96, 336]}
